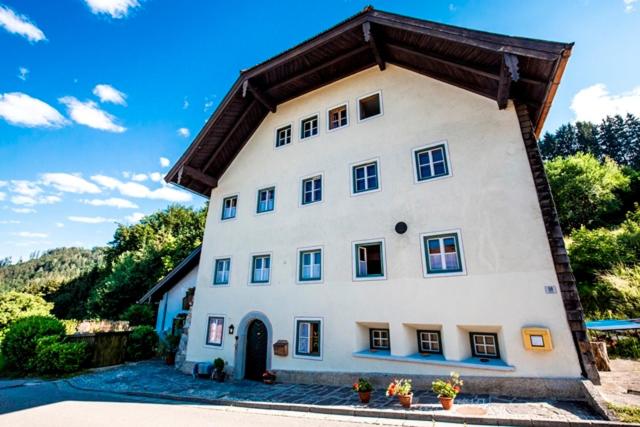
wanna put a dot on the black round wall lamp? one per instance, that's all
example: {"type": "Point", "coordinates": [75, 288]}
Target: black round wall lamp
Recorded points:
{"type": "Point", "coordinates": [401, 227]}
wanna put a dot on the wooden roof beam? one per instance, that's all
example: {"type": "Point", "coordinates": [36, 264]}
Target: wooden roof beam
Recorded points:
{"type": "Point", "coordinates": [508, 73]}
{"type": "Point", "coordinates": [263, 98]}
{"type": "Point", "coordinates": [199, 176]}
{"type": "Point", "coordinates": [373, 44]}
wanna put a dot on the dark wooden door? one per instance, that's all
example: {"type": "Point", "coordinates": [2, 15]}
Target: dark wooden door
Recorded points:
{"type": "Point", "coordinates": [256, 355]}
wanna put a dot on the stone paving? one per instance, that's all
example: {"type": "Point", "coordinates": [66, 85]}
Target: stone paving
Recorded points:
{"type": "Point", "coordinates": [155, 377]}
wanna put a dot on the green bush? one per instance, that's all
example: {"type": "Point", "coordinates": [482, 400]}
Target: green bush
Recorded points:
{"type": "Point", "coordinates": [142, 343]}
{"type": "Point", "coordinates": [16, 305]}
{"type": "Point", "coordinates": [625, 348]}
{"type": "Point", "coordinates": [70, 325]}
{"type": "Point", "coordinates": [140, 314]}
{"type": "Point", "coordinates": [21, 339]}
{"type": "Point", "coordinates": [56, 356]}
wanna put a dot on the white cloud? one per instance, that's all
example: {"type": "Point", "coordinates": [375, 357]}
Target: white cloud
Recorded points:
{"type": "Point", "coordinates": [23, 210]}
{"type": "Point", "coordinates": [90, 219]}
{"type": "Point", "coordinates": [89, 114]}
{"type": "Point", "coordinates": [137, 190]}
{"type": "Point", "coordinates": [452, 7]}
{"type": "Point", "coordinates": [22, 73]}
{"type": "Point", "coordinates": [20, 109]}
{"type": "Point", "coordinates": [184, 132]}
{"type": "Point", "coordinates": [108, 93]}
{"type": "Point", "coordinates": [31, 235]}
{"type": "Point", "coordinates": [30, 201]}
{"type": "Point", "coordinates": [59, 224]}
{"type": "Point", "coordinates": [3, 183]}
{"type": "Point", "coordinates": [20, 24]}
{"type": "Point", "coordinates": [629, 5]}
{"type": "Point", "coordinates": [156, 176]}
{"type": "Point", "coordinates": [207, 104]}
{"type": "Point", "coordinates": [10, 221]}
{"type": "Point", "coordinates": [69, 183]}
{"type": "Point", "coordinates": [595, 103]}
{"type": "Point", "coordinates": [2, 196]}
{"type": "Point", "coordinates": [139, 177]}
{"type": "Point", "coordinates": [134, 217]}
{"type": "Point", "coordinates": [25, 188]}
{"type": "Point", "coordinates": [116, 8]}
{"type": "Point", "coordinates": [114, 202]}
{"type": "Point", "coordinates": [164, 162]}
{"type": "Point", "coordinates": [170, 194]}
{"type": "Point", "coordinates": [106, 181]}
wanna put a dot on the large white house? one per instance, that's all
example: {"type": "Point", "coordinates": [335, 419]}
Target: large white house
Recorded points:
{"type": "Point", "coordinates": [378, 206]}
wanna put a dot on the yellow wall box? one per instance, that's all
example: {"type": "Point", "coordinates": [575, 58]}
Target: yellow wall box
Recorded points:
{"type": "Point", "coordinates": [537, 339]}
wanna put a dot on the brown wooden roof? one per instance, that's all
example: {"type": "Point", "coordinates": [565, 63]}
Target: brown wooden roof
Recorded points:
{"type": "Point", "coordinates": [492, 65]}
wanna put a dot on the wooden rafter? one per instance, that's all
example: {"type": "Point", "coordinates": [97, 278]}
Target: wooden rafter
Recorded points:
{"type": "Point", "coordinates": [374, 44]}
{"type": "Point", "coordinates": [263, 98]}
{"type": "Point", "coordinates": [199, 176]}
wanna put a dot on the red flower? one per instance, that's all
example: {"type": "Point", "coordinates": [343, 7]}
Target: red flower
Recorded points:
{"type": "Point", "coordinates": [456, 388]}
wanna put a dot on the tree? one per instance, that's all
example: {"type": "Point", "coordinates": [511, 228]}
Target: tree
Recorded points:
{"type": "Point", "coordinates": [16, 305]}
{"type": "Point", "coordinates": [585, 189]}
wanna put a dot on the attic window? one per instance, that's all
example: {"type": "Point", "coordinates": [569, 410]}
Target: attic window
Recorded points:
{"type": "Point", "coordinates": [369, 106]}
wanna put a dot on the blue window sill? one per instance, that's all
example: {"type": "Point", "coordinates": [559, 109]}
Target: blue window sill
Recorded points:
{"type": "Point", "coordinates": [436, 359]}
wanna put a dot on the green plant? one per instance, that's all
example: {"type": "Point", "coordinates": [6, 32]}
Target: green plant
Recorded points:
{"type": "Point", "coordinates": [449, 388]}
{"type": "Point", "coordinates": [218, 364]}
{"type": "Point", "coordinates": [16, 305]}
{"type": "Point", "coordinates": [362, 386]}
{"type": "Point", "coordinates": [626, 414]}
{"type": "Point", "coordinates": [140, 314]}
{"type": "Point", "coordinates": [625, 348]}
{"type": "Point", "coordinates": [56, 356]}
{"type": "Point", "coordinates": [142, 343]}
{"type": "Point", "coordinates": [21, 339]}
{"type": "Point", "coordinates": [168, 344]}
{"type": "Point", "coordinates": [70, 325]}
{"type": "Point", "coordinates": [401, 387]}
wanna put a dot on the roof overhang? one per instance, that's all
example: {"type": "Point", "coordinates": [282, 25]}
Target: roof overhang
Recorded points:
{"type": "Point", "coordinates": [170, 280]}
{"type": "Point", "coordinates": [495, 66]}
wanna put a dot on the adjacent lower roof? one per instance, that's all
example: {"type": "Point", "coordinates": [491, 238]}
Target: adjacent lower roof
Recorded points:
{"type": "Point", "coordinates": [496, 66]}
{"type": "Point", "coordinates": [174, 276]}
{"type": "Point", "coordinates": [613, 325]}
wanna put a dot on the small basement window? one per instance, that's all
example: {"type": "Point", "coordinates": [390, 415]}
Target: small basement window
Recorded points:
{"type": "Point", "coordinates": [379, 339]}
{"type": "Point", "coordinates": [484, 345]}
{"type": "Point", "coordinates": [369, 260]}
{"type": "Point", "coordinates": [369, 106]}
{"type": "Point", "coordinates": [308, 336]}
{"type": "Point", "coordinates": [309, 127]}
{"type": "Point", "coordinates": [429, 342]}
{"type": "Point", "coordinates": [283, 136]}
{"type": "Point", "coordinates": [338, 117]}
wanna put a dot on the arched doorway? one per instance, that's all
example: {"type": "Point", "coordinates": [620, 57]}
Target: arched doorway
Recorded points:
{"type": "Point", "coordinates": [256, 351]}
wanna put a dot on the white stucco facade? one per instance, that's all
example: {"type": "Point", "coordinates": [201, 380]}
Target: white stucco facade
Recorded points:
{"type": "Point", "coordinates": [171, 303]}
{"type": "Point", "coordinates": [489, 198]}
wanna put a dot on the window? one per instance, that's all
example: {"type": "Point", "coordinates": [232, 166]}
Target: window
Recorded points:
{"type": "Point", "coordinates": [312, 190]}
{"type": "Point", "coordinates": [338, 117]}
{"type": "Point", "coordinates": [429, 342]}
{"type": "Point", "coordinates": [442, 254]}
{"type": "Point", "coordinates": [484, 345]}
{"type": "Point", "coordinates": [369, 260]}
{"type": "Point", "coordinates": [229, 207]}
{"type": "Point", "coordinates": [431, 162]}
{"type": "Point", "coordinates": [266, 199]}
{"type": "Point", "coordinates": [379, 339]}
{"type": "Point", "coordinates": [309, 127]}
{"type": "Point", "coordinates": [260, 269]}
{"type": "Point", "coordinates": [215, 331]}
{"type": "Point", "coordinates": [310, 265]}
{"type": "Point", "coordinates": [369, 106]}
{"type": "Point", "coordinates": [283, 136]}
{"type": "Point", "coordinates": [221, 276]}
{"type": "Point", "coordinates": [365, 177]}
{"type": "Point", "coordinates": [308, 336]}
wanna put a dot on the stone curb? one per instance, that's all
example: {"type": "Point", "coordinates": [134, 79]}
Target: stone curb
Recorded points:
{"type": "Point", "coordinates": [365, 412]}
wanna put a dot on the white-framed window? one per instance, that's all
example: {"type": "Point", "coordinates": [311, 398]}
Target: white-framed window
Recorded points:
{"type": "Point", "coordinates": [369, 262]}
{"type": "Point", "coordinates": [283, 136]}
{"type": "Point", "coordinates": [310, 265]}
{"type": "Point", "coordinates": [221, 271]}
{"type": "Point", "coordinates": [309, 127]}
{"type": "Point", "coordinates": [369, 106]}
{"type": "Point", "coordinates": [484, 345]}
{"type": "Point", "coordinates": [337, 117]}
{"type": "Point", "coordinates": [365, 177]}
{"type": "Point", "coordinates": [308, 342]}
{"type": "Point", "coordinates": [266, 200]}
{"type": "Point", "coordinates": [442, 253]}
{"type": "Point", "coordinates": [215, 331]}
{"type": "Point", "coordinates": [379, 339]}
{"type": "Point", "coordinates": [261, 269]}
{"type": "Point", "coordinates": [431, 162]}
{"type": "Point", "coordinates": [229, 206]}
{"type": "Point", "coordinates": [429, 342]}
{"type": "Point", "coordinates": [311, 190]}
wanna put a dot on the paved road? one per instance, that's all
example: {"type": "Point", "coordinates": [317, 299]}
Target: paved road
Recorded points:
{"type": "Point", "coordinates": [57, 404]}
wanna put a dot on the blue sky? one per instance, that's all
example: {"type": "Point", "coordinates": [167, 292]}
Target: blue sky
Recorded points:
{"type": "Point", "coordinates": [94, 93]}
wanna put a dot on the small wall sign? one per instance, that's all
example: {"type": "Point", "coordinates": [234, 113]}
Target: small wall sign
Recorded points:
{"type": "Point", "coordinates": [281, 348]}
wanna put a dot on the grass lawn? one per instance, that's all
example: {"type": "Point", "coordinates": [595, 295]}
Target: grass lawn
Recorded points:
{"type": "Point", "coordinates": [627, 414]}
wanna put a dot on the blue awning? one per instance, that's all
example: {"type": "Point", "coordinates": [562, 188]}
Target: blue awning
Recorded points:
{"type": "Point", "coordinates": [613, 324]}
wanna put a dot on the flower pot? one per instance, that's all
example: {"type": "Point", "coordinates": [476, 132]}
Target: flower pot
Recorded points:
{"type": "Point", "coordinates": [446, 402]}
{"type": "Point", "coordinates": [219, 376]}
{"type": "Point", "coordinates": [405, 399]}
{"type": "Point", "coordinates": [365, 396]}
{"type": "Point", "coordinates": [170, 358]}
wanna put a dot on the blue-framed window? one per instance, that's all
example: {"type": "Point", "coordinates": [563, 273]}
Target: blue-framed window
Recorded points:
{"type": "Point", "coordinates": [261, 269]}
{"type": "Point", "coordinates": [283, 136]}
{"type": "Point", "coordinates": [222, 271]}
{"type": "Point", "coordinates": [266, 199]}
{"type": "Point", "coordinates": [309, 127]}
{"type": "Point", "coordinates": [308, 338]}
{"type": "Point", "coordinates": [229, 205]}
{"type": "Point", "coordinates": [431, 162]}
{"type": "Point", "coordinates": [365, 177]}
{"type": "Point", "coordinates": [215, 331]}
{"type": "Point", "coordinates": [369, 258]}
{"type": "Point", "coordinates": [312, 190]}
{"type": "Point", "coordinates": [310, 265]}
{"type": "Point", "coordinates": [442, 253]}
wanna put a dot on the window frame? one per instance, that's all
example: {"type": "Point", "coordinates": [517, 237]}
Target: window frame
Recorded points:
{"type": "Point", "coordinates": [296, 354]}
{"type": "Point", "coordinates": [427, 273]}
{"type": "Point", "coordinates": [209, 344]}
{"type": "Point", "coordinates": [260, 190]}
{"type": "Point", "coordinates": [224, 199]}
{"type": "Point", "coordinates": [352, 172]}
{"type": "Point", "coordinates": [328, 115]}
{"type": "Point", "coordinates": [301, 201]}
{"type": "Point", "coordinates": [214, 282]}
{"type": "Point", "coordinates": [306, 118]}
{"type": "Point", "coordinates": [416, 170]}
{"type": "Point", "coordinates": [358, 99]}
{"type": "Point", "coordinates": [372, 331]}
{"type": "Point", "coordinates": [252, 259]}
{"type": "Point", "coordinates": [277, 132]}
{"type": "Point", "coordinates": [355, 258]}
{"type": "Point", "coordinates": [299, 265]}
{"type": "Point", "coordinates": [473, 345]}
{"type": "Point", "coordinates": [429, 331]}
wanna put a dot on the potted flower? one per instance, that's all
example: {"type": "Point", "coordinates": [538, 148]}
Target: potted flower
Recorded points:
{"type": "Point", "coordinates": [402, 389]}
{"type": "Point", "coordinates": [364, 389]}
{"type": "Point", "coordinates": [447, 390]}
{"type": "Point", "coordinates": [269, 377]}
{"type": "Point", "coordinates": [218, 370]}
{"type": "Point", "coordinates": [168, 348]}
